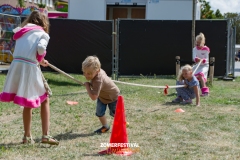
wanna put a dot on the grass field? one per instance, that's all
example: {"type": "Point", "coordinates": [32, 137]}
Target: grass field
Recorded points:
{"type": "Point", "coordinates": [207, 132]}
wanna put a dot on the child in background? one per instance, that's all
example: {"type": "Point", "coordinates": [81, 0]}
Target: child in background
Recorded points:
{"type": "Point", "coordinates": [100, 88]}
{"type": "Point", "coordinates": [191, 89]}
{"type": "Point", "coordinates": [201, 52]}
{"type": "Point", "coordinates": [24, 85]}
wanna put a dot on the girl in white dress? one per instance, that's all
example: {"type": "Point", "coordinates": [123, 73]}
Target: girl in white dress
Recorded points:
{"type": "Point", "coordinates": [201, 52]}
{"type": "Point", "coordinates": [24, 85]}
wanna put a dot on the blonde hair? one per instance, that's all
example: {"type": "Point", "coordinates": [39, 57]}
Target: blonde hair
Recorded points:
{"type": "Point", "coordinates": [39, 19]}
{"type": "Point", "coordinates": [91, 62]}
{"type": "Point", "coordinates": [186, 67]}
{"type": "Point", "coordinates": [201, 38]}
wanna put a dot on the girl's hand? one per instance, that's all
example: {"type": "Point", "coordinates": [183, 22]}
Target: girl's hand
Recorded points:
{"type": "Point", "coordinates": [44, 63]}
{"type": "Point", "coordinates": [197, 59]}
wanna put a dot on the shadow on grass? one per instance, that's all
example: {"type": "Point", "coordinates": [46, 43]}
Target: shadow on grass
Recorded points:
{"type": "Point", "coordinates": [93, 154]}
{"type": "Point", "coordinates": [155, 110]}
{"type": "Point", "coordinates": [171, 104]}
{"type": "Point", "coordinates": [9, 145]}
{"type": "Point", "coordinates": [70, 135]}
{"type": "Point", "coordinates": [71, 94]}
{"type": "Point", "coordinates": [63, 83]}
{"type": "Point", "coordinates": [172, 94]}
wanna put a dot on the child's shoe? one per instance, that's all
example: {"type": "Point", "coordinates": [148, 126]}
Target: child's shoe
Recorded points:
{"type": "Point", "coordinates": [205, 91]}
{"type": "Point", "coordinates": [177, 100]}
{"type": "Point", "coordinates": [189, 101]}
{"type": "Point", "coordinates": [49, 140]}
{"type": "Point", "coordinates": [103, 129]}
{"type": "Point", "coordinates": [204, 94]}
{"type": "Point", "coordinates": [27, 140]}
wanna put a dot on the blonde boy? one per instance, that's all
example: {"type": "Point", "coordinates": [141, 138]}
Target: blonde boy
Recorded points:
{"type": "Point", "coordinates": [100, 88]}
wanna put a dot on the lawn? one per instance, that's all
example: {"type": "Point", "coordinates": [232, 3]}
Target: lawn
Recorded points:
{"type": "Point", "coordinates": [207, 132]}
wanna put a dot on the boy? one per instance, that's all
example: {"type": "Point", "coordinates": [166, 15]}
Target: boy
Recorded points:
{"type": "Point", "coordinates": [102, 88]}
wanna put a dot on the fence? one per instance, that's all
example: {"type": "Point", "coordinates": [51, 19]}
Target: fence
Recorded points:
{"type": "Point", "coordinates": [133, 47]}
{"type": "Point", "coordinates": [230, 58]}
{"type": "Point", "coordinates": [149, 47]}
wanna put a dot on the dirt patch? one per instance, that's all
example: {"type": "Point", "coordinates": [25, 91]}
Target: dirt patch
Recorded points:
{"type": "Point", "coordinates": [8, 117]}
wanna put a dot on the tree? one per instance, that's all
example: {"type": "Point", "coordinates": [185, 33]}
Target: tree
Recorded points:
{"type": "Point", "coordinates": [207, 13]}
{"type": "Point", "coordinates": [235, 21]}
{"type": "Point", "coordinates": [21, 3]}
{"type": "Point", "coordinates": [41, 5]}
{"type": "Point", "coordinates": [218, 14]}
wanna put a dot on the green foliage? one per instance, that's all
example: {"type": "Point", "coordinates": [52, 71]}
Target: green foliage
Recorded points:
{"type": "Point", "coordinates": [55, 4]}
{"type": "Point", "coordinates": [218, 14]}
{"type": "Point", "coordinates": [208, 13]}
{"type": "Point", "coordinates": [41, 5]}
{"type": "Point", "coordinates": [21, 3]}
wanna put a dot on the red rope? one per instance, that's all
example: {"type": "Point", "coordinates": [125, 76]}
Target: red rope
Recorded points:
{"type": "Point", "coordinates": [166, 90]}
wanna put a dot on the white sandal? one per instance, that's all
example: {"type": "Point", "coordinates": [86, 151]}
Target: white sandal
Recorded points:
{"type": "Point", "coordinates": [27, 140]}
{"type": "Point", "coordinates": [50, 140]}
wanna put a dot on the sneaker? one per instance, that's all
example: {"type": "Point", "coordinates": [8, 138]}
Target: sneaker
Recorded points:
{"type": "Point", "coordinates": [189, 101]}
{"type": "Point", "coordinates": [102, 130]}
{"type": "Point", "coordinates": [177, 100]}
{"type": "Point", "coordinates": [204, 94]}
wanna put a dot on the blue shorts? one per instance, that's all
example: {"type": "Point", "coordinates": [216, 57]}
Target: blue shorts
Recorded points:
{"type": "Point", "coordinates": [101, 108]}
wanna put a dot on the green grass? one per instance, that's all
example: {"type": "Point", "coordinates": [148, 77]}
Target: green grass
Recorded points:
{"type": "Point", "coordinates": [207, 132]}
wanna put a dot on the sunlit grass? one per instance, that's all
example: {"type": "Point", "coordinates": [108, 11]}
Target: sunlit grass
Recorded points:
{"type": "Point", "coordinates": [207, 132]}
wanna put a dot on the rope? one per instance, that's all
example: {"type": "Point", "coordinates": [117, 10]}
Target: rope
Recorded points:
{"type": "Point", "coordinates": [132, 84]}
{"type": "Point", "coordinates": [46, 86]}
{"type": "Point", "coordinates": [197, 66]}
{"type": "Point", "coordinates": [67, 75]}
{"type": "Point", "coordinates": [150, 86]}
{"type": "Point", "coordinates": [163, 87]}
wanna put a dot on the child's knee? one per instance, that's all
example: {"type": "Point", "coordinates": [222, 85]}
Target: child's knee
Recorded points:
{"type": "Point", "coordinates": [112, 108]}
{"type": "Point", "coordinates": [100, 109]}
{"type": "Point", "coordinates": [100, 114]}
{"type": "Point", "coordinates": [112, 113]}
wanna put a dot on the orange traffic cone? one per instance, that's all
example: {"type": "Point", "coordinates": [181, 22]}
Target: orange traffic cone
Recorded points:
{"type": "Point", "coordinates": [179, 110]}
{"type": "Point", "coordinates": [119, 132]}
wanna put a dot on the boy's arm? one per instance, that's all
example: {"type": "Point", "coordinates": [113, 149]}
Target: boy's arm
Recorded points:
{"type": "Point", "coordinates": [197, 95]}
{"type": "Point", "coordinates": [88, 88]}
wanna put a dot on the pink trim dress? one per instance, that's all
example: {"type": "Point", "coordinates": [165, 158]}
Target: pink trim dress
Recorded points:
{"type": "Point", "coordinates": [202, 53]}
{"type": "Point", "coordinates": [24, 85]}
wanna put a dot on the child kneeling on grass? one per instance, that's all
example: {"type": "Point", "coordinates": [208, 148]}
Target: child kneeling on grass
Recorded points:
{"type": "Point", "coordinates": [191, 89]}
{"type": "Point", "coordinates": [100, 88]}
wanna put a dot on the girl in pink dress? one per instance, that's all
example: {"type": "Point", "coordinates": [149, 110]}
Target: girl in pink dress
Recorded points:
{"type": "Point", "coordinates": [24, 85]}
{"type": "Point", "coordinates": [201, 52]}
